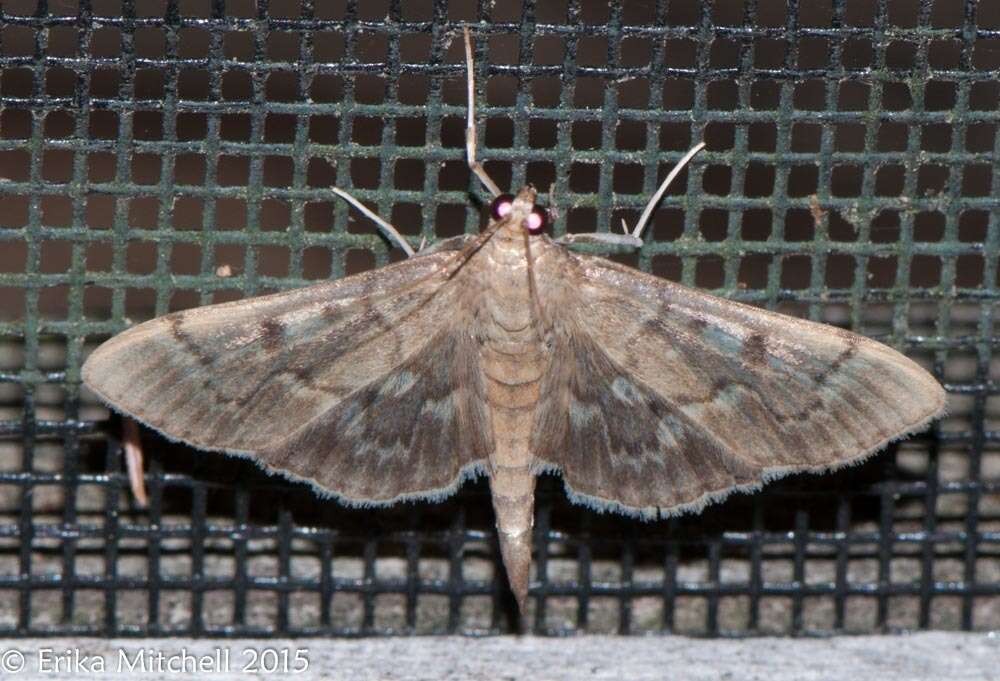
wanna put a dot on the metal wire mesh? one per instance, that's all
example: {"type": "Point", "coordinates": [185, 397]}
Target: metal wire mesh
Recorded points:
{"type": "Point", "coordinates": [164, 154]}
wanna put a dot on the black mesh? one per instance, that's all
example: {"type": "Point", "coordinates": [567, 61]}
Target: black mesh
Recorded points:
{"type": "Point", "coordinates": [165, 154]}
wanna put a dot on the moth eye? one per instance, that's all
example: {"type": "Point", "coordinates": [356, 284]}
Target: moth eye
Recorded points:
{"type": "Point", "coordinates": [501, 206]}
{"type": "Point", "coordinates": [536, 221]}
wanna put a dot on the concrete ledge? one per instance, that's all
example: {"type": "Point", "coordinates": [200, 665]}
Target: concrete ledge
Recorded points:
{"type": "Point", "coordinates": [933, 655]}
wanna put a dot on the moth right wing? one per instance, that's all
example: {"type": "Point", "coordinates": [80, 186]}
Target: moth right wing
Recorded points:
{"type": "Point", "coordinates": [352, 385]}
{"type": "Point", "coordinates": [663, 398]}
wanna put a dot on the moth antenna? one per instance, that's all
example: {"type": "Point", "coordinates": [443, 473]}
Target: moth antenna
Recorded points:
{"type": "Point", "coordinates": [423, 242]}
{"type": "Point", "coordinates": [648, 211]}
{"type": "Point", "coordinates": [132, 443]}
{"type": "Point", "coordinates": [536, 302]}
{"type": "Point", "coordinates": [390, 231]}
{"type": "Point", "coordinates": [470, 126]}
{"type": "Point", "coordinates": [624, 226]}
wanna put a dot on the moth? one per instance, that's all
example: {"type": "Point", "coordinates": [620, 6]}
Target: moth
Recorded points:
{"type": "Point", "coordinates": [507, 354]}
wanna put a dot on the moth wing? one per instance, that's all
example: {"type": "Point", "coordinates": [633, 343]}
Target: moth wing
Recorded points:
{"type": "Point", "coordinates": [348, 384]}
{"type": "Point", "coordinates": [662, 398]}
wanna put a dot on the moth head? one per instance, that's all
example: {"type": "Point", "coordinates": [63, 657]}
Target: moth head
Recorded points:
{"type": "Point", "coordinates": [520, 211]}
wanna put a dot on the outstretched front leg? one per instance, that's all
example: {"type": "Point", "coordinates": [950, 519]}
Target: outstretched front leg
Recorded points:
{"type": "Point", "coordinates": [132, 445]}
{"type": "Point", "coordinates": [470, 150]}
{"type": "Point", "coordinates": [633, 238]}
{"type": "Point", "coordinates": [391, 232]}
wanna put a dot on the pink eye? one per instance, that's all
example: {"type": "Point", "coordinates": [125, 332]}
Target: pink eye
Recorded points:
{"type": "Point", "coordinates": [536, 221]}
{"type": "Point", "coordinates": [501, 206]}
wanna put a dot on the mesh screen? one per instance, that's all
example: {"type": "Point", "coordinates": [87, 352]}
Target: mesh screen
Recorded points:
{"type": "Point", "coordinates": [160, 155]}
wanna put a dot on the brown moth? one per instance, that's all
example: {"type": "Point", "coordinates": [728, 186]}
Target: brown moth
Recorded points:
{"type": "Point", "coordinates": [507, 354]}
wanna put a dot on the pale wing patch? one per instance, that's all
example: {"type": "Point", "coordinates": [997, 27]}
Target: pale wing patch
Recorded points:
{"type": "Point", "coordinates": [408, 433]}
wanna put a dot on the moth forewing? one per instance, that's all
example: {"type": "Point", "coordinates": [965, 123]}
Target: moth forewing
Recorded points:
{"type": "Point", "coordinates": [675, 398]}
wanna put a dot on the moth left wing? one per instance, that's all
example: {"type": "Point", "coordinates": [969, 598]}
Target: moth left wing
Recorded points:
{"type": "Point", "coordinates": [662, 398]}
{"type": "Point", "coordinates": [347, 384]}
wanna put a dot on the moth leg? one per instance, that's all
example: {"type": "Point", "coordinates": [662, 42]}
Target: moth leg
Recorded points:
{"type": "Point", "coordinates": [633, 239]}
{"type": "Point", "coordinates": [601, 238]}
{"type": "Point", "coordinates": [133, 460]}
{"type": "Point", "coordinates": [470, 127]}
{"type": "Point", "coordinates": [648, 211]}
{"type": "Point", "coordinates": [388, 229]}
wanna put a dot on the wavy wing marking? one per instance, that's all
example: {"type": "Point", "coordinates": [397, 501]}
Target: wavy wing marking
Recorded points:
{"type": "Point", "coordinates": [663, 398]}
{"type": "Point", "coordinates": [255, 378]}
